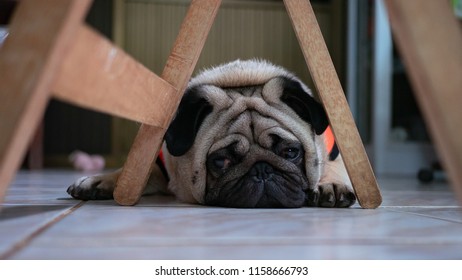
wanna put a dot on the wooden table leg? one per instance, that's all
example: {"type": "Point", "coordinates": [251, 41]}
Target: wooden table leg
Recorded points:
{"type": "Point", "coordinates": [177, 72]}
{"type": "Point", "coordinates": [331, 94]}
{"type": "Point", "coordinates": [429, 39]}
{"type": "Point", "coordinates": [111, 81]}
{"type": "Point", "coordinates": [40, 33]}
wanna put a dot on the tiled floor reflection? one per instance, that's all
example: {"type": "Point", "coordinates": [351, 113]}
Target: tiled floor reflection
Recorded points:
{"type": "Point", "coordinates": [40, 221]}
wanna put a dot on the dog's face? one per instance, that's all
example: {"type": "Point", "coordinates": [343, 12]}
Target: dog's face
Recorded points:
{"type": "Point", "coordinates": [246, 134]}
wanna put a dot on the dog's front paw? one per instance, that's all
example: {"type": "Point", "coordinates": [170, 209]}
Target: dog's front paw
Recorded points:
{"type": "Point", "coordinates": [331, 195]}
{"type": "Point", "coordinates": [93, 187]}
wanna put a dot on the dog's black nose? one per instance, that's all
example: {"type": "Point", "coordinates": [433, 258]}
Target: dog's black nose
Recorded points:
{"type": "Point", "coordinates": [261, 171]}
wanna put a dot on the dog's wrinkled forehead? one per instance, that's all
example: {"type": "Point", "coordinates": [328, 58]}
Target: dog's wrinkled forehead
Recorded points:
{"type": "Point", "coordinates": [249, 80]}
{"type": "Point", "coordinates": [243, 98]}
{"type": "Point", "coordinates": [246, 91]}
{"type": "Point", "coordinates": [241, 74]}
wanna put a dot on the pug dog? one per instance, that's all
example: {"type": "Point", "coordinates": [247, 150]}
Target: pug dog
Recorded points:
{"type": "Point", "coordinates": [246, 134]}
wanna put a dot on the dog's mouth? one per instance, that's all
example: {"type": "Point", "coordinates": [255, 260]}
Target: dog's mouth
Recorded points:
{"type": "Point", "coordinates": [263, 186]}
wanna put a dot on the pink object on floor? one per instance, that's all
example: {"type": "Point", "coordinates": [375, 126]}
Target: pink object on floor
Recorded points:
{"type": "Point", "coordinates": [85, 162]}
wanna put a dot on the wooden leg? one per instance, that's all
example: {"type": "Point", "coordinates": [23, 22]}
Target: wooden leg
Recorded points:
{"type": "Point", "coordinates": [331, 94]}
{"type": "Point", "coordinates": [177, 72]}
{"type": "Point", "coordinates": [429, 39]}
{"type": "Point", "coordinates": [40, 33]}
{"type": "Point", "coordinates": [111, 81]}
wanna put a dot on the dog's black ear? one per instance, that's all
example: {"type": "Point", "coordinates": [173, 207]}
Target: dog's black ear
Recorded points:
{"type": "Point", "coordinates": [191, 113]}
{"type": "Point", "coordinates": [304, 105]}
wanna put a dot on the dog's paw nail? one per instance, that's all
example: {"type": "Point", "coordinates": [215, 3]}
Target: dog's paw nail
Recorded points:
{"type": "Point", "coordinates": [312, 198]}
{"type": "Point", "coordinates": [328, 200]}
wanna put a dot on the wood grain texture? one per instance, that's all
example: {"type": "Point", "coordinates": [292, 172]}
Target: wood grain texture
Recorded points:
{"type": "Point", "coordinates": [331, 94]}
{"type": "Point", "coordinates": [429, 39]}
{"type": "Point", "coordinates": [40, 33]}
{"type": "Point", "coordinates": [97, 75]}
{"type": "Point", "coordinates": [178, 70]}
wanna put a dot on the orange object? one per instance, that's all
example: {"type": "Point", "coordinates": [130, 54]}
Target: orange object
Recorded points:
{"type": "Point", "coordinates": [329, 139]}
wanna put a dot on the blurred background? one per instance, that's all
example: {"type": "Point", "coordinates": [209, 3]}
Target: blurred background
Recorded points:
{"type": "Point", "coordinates": [356, 32]}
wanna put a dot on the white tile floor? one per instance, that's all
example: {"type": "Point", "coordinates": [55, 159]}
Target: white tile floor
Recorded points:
{"type": "Point", "coordinates": [39, 221]}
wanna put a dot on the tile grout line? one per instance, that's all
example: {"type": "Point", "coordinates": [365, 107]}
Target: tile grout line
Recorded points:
{"type": "Point", "coordinates": [18, 246]}
{"type": "Point", "coordinates": [425, 216]}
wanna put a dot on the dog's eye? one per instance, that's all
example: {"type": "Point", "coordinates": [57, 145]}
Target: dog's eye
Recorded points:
{"type": "Point", "coordinates": [222, 163]}
{"type": "Point", "coordinates": [290, 153]}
